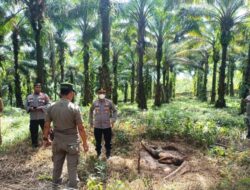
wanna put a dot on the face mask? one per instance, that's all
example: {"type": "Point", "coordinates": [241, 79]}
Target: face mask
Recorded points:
{"type": "Point", "coordinates": [101, 96]}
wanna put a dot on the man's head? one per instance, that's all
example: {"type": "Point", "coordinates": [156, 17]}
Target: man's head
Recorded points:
{"type": "Point", "coordinates": [37, 88]}
{"type": "Point", "coordinates": [101, 93]}
{"type": "Point", "coordinates": [67, 91]}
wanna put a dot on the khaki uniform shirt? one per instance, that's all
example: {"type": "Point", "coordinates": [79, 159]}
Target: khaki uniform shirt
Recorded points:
{"type": "Point", "coordinates": [37, 100]}
{"type": "Point", "coordinates": [102, 113]}
{"type": "Point", "coordinates": [65, 116]}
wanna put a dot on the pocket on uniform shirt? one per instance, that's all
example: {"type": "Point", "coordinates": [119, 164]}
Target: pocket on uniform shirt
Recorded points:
{"type": "Point", "coordinates": [73, 148]}
{"type": "Point", "coordinates": [41, 102]}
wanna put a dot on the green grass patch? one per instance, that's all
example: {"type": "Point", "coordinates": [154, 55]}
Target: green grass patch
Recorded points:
{"type": "Point", "coordinates": [195, 121]}
{"type": "Point", "coordinates": [14, 127]}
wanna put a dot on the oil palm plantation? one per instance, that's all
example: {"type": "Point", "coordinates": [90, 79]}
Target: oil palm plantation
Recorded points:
{"type": "Point", "coordinates": [35, 14]}
{"type": "Point", "coordinates": [85, 16]}
{"type": "Point", "coordinates": [228, 14]}
{"type": "Point", "coordinates": [140, 11]}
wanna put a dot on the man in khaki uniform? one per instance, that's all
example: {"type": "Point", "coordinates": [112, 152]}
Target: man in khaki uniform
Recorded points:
{"type": "Point", "coordinates": [68, 123]}
{"type": "Point", "coordinates": [1, 110]}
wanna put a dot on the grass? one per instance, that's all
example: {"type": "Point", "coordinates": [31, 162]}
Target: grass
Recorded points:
{"type": "Point", "coordinates": [14, 127]}
{"type": "Point", "coordinates": [185, 118]}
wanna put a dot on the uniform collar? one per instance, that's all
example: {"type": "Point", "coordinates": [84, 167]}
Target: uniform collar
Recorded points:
{"type": "Point", "coordinates": [102, 100]}
{"type": "Point", "coordinates": [65, 100]}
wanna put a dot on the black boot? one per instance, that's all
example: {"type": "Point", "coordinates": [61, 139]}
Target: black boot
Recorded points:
{"type": "Point", "coordinates": [248, 133]}
{"type": "Point", "coordinates": [107, 155]}
{"type": "Point", "coordinates": [98, 155]}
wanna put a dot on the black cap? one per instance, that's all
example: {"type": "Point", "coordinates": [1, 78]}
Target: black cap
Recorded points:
{"type": "Point", "coordinates": [67, 86]}
{"type": "Point", "coordinates": [101, 91]}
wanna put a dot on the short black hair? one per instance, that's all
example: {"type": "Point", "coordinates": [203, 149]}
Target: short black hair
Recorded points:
{"type": "Point", "coordinates": [37, 84]}
{"type": "Point", "coordinates": [65, 92]}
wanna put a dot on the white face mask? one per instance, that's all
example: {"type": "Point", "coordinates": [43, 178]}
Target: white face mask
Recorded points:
{"type": "Point", "coordinates": [101, 96]}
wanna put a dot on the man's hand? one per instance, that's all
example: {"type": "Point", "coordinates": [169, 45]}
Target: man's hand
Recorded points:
{"type": "Point", "coordinates": [112, 124]}
{"type": "Point", "coordinates": [85, 147]}
{"type": "Point", "coordinates": [46, 143]}
{"type": "Point", "coordinates": [31, 109]}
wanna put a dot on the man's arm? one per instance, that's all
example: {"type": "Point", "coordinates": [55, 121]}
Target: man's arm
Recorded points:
{"type": "Point", "coordinates": [91, 110]}
{"type": "Point", "coordinates": [247, 99]}
{"type": "Point", "coordinates": [114, 114]}
{"type": "Point", "coordinates": [27, 106]}
{"type": "Point", "coordinates": [83, 135]}
{"type": "Point", "coordinates": [46, 130]}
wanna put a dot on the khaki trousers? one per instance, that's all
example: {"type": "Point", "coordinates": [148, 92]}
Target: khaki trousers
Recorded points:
{"type": "Point", "coordinates": [60, 152]}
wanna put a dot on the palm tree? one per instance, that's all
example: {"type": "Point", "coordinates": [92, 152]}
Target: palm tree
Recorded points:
{"type": "Point", "coordinates": [245, 84]}
{"type": "Point", "coordinates": [227, 14]}
{"type": "Point", "coordinates": [158, 26]}
{"type": "Point", "coordinates": [209, 36]}
{"type": "Point", "coordinates": [15, 22]}
{"type": "Point", "coordinates": [35, 14]}
{"type": "Point", "coordinates": [58, 13]}
{"type": "Point", "coordinates": [85, 15]}
{"type": "Point", "coordinates": [140, 11]}
{"type": "Point", "coordinates": [177, 56]}
{"type": "Point", "coordinates": [15, 42]}
{"type": "Point", "coordinates": [104, 75]}
{"type": "Point", "coordinates": [130, 57]}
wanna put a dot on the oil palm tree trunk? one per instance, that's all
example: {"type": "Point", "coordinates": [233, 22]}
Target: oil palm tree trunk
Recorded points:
{"type": "Point", "coordinates": [215, 60]}
{"type": "Point", "coordinates": [158, 72]}
{"type": "Point", "coordinates": [221, 103]}
{"type": "Point", "coordinates": [18, 91]}
{"type": "Point", "coordinates": [87, 90]}
{"type": "Point", "coordinates": [104, 79]}
{"type": "Point", "coordinates": [114, 92]}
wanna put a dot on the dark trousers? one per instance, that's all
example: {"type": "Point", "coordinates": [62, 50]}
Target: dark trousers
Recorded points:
{"type": "Point", "coordinates": [34, 128]}
{"type": "Point", "coordinates": [107, 133]}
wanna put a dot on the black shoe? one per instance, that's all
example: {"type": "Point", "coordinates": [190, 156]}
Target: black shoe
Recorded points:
{"type": "Point", "coordinates": [107, 155]}
{"type": "Point", "coordinates": [98, 155]}
{"type": "Point", "coordinates": [35, 146]}
{"type": "Point", "coordinates": [248, 136]}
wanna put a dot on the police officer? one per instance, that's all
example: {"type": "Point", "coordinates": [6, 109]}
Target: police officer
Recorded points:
{"type": "Point", "coordinates": [68, 123]}
{"type": "Point", "coordinates": [1, 110]}
{"type": "Point", "coordinates": [102, 116]}
{"type": "Point", "coordinates": [247, 100]}
{"type": "Point", "coordinates": [36, 105]}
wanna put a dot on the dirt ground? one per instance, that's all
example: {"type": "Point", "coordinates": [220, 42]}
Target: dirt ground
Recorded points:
{"type": "Point", "coordinates": [197, 172]}
{"type": "Point", "coordinates": [23, 167]}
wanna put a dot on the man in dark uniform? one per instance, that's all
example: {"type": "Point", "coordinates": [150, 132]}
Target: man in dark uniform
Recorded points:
{"type": "Point", "coordinates": [1, 110]}
{"type": "Point", "coordinates": [102, 116]}
{"type": "Point", "coordinates": [36, 105]}
{"type": "Point", "coordinates": [68, 123]}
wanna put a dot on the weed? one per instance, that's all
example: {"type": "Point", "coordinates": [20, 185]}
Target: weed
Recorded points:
{"type": "Point", "coordinates": [94, 184]}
